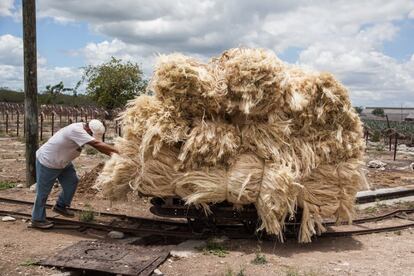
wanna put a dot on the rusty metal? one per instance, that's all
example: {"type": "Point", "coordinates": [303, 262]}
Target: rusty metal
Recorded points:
{"type": "Point", "coordinates": [145, 226]}
{"type": "Point", "coordinates": [383, 196]}
{"type": "Point", "coordinates": [101, 256]}
{"type": "Point", "coordinates": [366, 231]}
{"type": "Point", "coordinates": [176, 208]}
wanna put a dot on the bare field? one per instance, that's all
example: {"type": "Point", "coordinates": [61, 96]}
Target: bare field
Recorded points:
{"type": "Point", "coordinates": [377, 254]}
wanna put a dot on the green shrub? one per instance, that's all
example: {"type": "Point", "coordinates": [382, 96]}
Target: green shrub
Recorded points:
{"type": "Point", "coordinates": [6, 185]}
{"type": "Point", "coordinates": [376, 136]}
{"type": "Point", "coordinates": [259, 259]}
{"type": "Point", "coordinates": [214, 248]}
{"type": "Point", "coordinates": [87, 215]}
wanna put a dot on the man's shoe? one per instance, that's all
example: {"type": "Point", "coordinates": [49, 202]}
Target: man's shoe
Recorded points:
{"type": "Point", "coordinates": [41, 224]}
{"type": "Point", "coordinates": [63, 211]}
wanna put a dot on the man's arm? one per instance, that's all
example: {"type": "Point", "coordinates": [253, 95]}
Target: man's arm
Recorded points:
{"type": "Point", "coordinates": [103, 147]}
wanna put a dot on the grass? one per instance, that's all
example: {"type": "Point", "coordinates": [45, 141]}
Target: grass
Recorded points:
{"type": "Point", "coordinates": [214, 248]}
{"type": "Point", "coordinates": [259, 259]}
{"type": "Point", "coordinates": [28, 262]}
{"type": "Point", "coordinates": [87, 215]}
{"type": "Point", "coordinates": [371, 210]}
{"type": "Point", "coordinates": [409, 205]}
{"type": "Point", "coordinates": [230, 272]}
{"type": "Point", "coordinates": [379, 147]}
{"type": "Point", "coordinates": [294, 271]}
{"type": "Point", "coordinates": [6, 185]}
{"type": "Point", "coordinates": [291, 271]}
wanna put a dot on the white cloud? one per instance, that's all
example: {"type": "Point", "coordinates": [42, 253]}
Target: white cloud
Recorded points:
{"type": "Point", "coordinates": [69, 75]}
{"type": "Point", "coordinates": [371, 76]}
{"type": "Point", "coordinates": [11, 50]}
{"type": "Point", "coordinates": [344, 37]}
{"type": "Point", "coordinates": [6, 8]}
{"type": "Point", "coordinates": [11, 76]}
{"type": "Point", "coordinates": [11, 67]}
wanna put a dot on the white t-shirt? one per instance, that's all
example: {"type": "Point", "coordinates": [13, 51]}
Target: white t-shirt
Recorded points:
{"type": "Point", "coordinates": [63, 147]}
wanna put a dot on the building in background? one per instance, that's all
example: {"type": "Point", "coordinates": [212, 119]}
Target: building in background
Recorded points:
{"type": "Point", "coordinates": [397, 114]}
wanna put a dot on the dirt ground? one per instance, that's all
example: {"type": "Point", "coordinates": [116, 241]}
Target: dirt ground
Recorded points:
{"type": "Point", "coordinates": [377, 254]}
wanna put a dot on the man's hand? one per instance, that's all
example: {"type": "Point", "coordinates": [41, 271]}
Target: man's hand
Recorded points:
{"type": "Point", "coordinates": [103, 147]}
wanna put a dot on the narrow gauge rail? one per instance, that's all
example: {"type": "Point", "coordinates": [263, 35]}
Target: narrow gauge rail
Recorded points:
{"type": "Point", "coordinates": [147, 226]}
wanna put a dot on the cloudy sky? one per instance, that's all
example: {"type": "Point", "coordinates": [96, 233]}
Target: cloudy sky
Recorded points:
{"type": "Point", "coordinates": [368, 45]}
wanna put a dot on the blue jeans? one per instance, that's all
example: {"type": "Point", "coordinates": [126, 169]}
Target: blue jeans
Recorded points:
{"type": "Point", "coordinates": [45, 178]}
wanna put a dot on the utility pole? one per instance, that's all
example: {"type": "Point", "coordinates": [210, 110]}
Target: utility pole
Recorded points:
{"type": "Point", "coordinates": [30, 88]}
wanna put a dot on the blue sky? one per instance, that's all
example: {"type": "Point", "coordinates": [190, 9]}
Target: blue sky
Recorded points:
{"type": "Point", "coordinates": [368, 45]}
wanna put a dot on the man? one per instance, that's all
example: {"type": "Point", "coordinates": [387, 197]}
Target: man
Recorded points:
{"type": "Point", "coordinates": [54, 161]}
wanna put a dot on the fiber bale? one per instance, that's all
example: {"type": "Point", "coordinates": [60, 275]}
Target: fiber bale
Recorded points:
{"type": "Point", "coordinates": [328, 192]}
{"type": "Point", "coordinates": [209, 143]}
{"type": "Point", "coordinates": [277, 198]}
{"type": "Point", "coordinates": [202, 187]}
{"type": "Point", "coordinates": [244, 179]}
{"type": "Point", "coordinates": [148, 122]}
{"type": "Point", "coordinates": [119, 171]}
{"type": "Point", "coordinates": [253, 79]}
{"type": "Point", "coordinates": [116, 177]}
{"type": "Point", "coordinates": [186, 84]}
{"type": "Point", "coordinates": [158, 173]}
{"type": "Point", "coordinates": [240, 184]}
{"type": "Point", "coordinates": [247, 129]}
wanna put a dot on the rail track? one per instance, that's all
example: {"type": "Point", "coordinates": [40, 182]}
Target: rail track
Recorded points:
{"type": "Point", "coordinates": [401, 219]}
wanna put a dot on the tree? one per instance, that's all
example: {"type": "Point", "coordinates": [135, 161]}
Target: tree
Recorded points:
{"type": "Point", "coordinates": [378, 112]}
{"type": "Point", "coordinates": [52, 91]}
{"type": "Point", "coordinates": [113, 83]}
{"type": "Point", "coordinates": [358, 109]}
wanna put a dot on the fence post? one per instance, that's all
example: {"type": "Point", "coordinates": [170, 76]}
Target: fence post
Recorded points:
{"type": "Point", "coordinates": [18, 123]}
{"type": "Point", "coordinates": [60, 119]}
{"type": "Point", "coordinates": [53, 122]}
{"type": "Point", "coordinates": [76, 116]}
{"type": "Point", "coordinates": [390, 142]}
{"type": "Point", "coordinates": [41, 126]}
{"type": "Point", "coordinates": [7, 122]}
{"type": "Point", "coordinates": [395, 145]}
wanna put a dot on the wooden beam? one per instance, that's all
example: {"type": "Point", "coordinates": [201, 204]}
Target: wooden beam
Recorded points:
{"type": "Point", "coordinates": [30, 88]}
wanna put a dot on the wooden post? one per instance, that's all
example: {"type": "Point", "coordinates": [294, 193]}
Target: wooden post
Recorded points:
{"type": "Point", "coordinates": [18, 123]}
{"type": "Point", "coordinates": [390, 142]}
{"type": "Point", "coordinates": [41, 126]}
{"type": "Point", "coordinates": [30, 88]}
{"type": "Point", "coordinates": [53, 122]}
{"type": "Point", "coordinates": [7, 122]}
{"type": "Point", "coordinates": [76, 116]}
{"type": "Point", "coordinates": [395, 145]}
